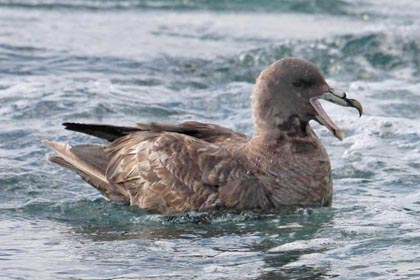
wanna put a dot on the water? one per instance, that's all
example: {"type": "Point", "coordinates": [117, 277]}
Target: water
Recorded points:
{"type": "Point", "coordinates": [136, 61]}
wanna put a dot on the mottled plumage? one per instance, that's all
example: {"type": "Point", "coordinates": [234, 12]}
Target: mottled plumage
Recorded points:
{"type": "Point", "coordinates": [196, 166]}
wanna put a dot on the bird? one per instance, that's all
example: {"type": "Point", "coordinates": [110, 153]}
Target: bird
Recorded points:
{"type": "Point", "coordinates": [194, 166]}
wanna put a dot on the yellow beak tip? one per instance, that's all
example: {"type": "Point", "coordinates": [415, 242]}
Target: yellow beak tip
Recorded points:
{"type": "Point", "coordinates": [339, 134]}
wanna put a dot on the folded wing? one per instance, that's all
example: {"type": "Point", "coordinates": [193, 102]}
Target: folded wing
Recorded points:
{"type": "Point", "coordinates": [170, 172]}
{"type": "Point", "coordinates": [163, 168]}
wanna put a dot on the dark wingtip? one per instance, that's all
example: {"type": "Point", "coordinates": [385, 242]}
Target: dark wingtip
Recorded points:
{"type": "Point", "coordinates": [70, 125]}
{"type": "Point", "coordinates": [66, 124]}
{"type": "Point", "coordinates": [108, 132]}
{"type": "Point", "coordinates": [80, 127]}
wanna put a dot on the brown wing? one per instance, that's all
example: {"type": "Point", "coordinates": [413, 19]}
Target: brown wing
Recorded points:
{"type": "Point", "coordinates": [207, 132]}
{"type": "Point", "coordinates": [211, 133]}
{"type": "Point", "coordinates": [170, 172]}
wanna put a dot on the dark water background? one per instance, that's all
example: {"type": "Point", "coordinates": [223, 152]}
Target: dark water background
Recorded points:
{"type": "Point", "coordinates": [136, 61]}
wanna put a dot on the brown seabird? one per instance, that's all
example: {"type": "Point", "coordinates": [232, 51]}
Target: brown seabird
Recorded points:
{"type": "Point", "coordinates": [197, 166]}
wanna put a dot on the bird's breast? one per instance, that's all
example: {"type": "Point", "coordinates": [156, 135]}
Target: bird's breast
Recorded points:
{"type": "Point", "coordinates": [297, 172]}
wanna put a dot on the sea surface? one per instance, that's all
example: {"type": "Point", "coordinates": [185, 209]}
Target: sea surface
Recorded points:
{"type": "Point", "coordinates": [129, 61]}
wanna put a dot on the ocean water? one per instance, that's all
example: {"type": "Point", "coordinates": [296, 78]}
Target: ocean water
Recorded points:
{"type": "Point", "coordinates": [130, 61]}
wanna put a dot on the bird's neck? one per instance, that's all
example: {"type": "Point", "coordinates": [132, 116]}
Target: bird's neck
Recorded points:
{"type": "Point", "coordinates": [270, 135]}
{"type": "Point", "coordinates": [276, 127]}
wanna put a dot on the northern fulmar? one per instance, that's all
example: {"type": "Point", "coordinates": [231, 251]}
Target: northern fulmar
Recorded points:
{"type": "Point", "coordinates": [197, 166]}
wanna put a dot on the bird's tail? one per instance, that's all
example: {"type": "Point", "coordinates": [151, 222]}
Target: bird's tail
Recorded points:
{"type": "Point", "coordinates": [89, 161]}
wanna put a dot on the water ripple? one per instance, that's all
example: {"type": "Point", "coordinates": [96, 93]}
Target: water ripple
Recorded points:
{"type": "Point", "coordinates": [118, 62]}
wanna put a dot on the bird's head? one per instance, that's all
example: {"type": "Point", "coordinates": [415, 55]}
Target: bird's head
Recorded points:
{"type": "Point", "coordinates": [292, 87]}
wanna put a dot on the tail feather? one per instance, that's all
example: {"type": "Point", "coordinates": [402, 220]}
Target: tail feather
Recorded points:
{"type": "Point", "coordinates": [87, 163]}
{"type": "Point", "coordinates": [94, 155]}
{"type": "Point", "coordinates": [61, 161]}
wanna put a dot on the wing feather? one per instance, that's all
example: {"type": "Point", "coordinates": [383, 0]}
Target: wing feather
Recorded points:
{"type": "Point", "coordinates": [168, 172]}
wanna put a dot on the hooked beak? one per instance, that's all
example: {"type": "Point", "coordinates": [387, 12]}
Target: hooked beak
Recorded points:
{"type": "Point", "coordinates": [339, 99]}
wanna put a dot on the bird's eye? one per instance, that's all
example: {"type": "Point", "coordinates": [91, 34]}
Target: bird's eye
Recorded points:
{"type": "Point", "coordinates": [300, 83]}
